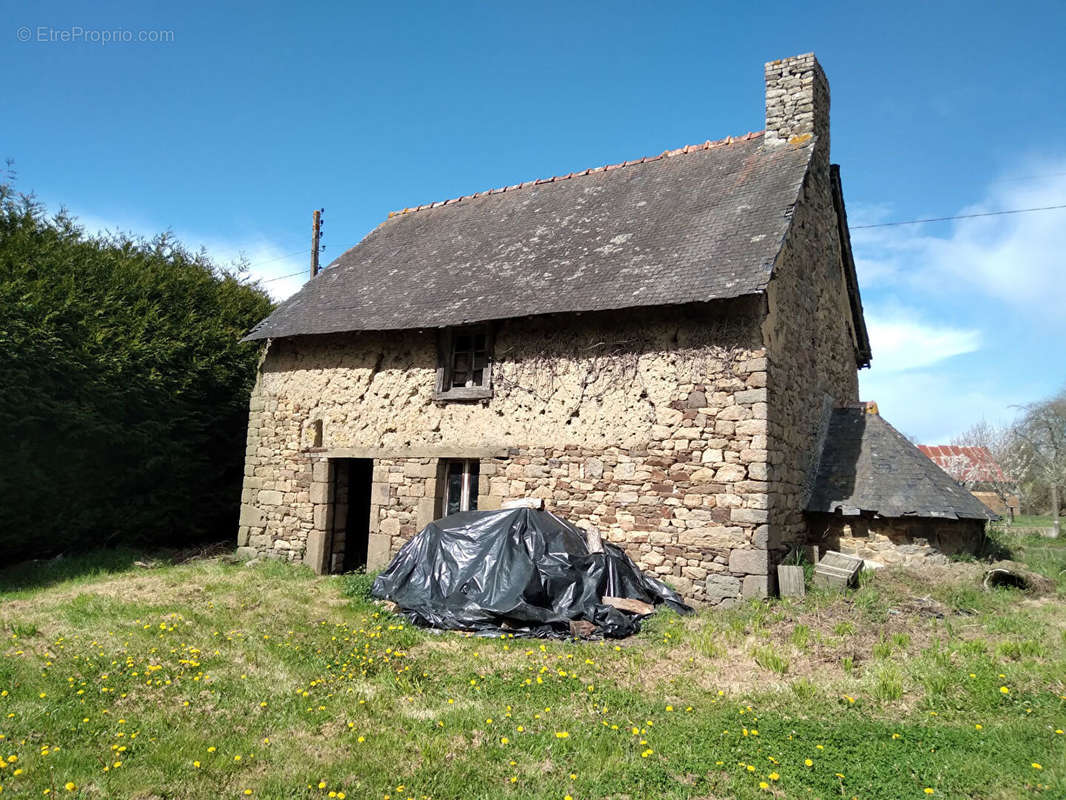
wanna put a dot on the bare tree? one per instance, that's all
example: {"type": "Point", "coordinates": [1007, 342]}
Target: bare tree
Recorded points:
{"type": "Point", "coordinates": [999, 473]}
{"type": "Point", "coordinates": [1041, 434]}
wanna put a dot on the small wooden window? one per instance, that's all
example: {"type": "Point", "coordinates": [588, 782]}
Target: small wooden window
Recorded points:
{"type": "Point", "coordinates": [464, 369]}
{"type": "Point", "coordinates": [461, 486]}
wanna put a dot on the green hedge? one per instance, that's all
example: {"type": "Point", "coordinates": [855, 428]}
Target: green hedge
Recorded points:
{"type": "Point", "coordinates": [123, 388]}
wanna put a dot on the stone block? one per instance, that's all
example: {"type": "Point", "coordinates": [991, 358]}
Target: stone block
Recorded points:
{"type": "Point", "coordinates": [749, 562]}
{"type": "Point", "coordinates": [749, 515]}
{"type": "Point", "coordinates": [730, 473]}
{"type": "Point", "coordinates": [750, 396]}
{"type": "Point", "coordinates": [757, 586]}
{"type": "Point", "coordinates": [489, 502]}
{"type": "Point", "coordinates": [390, 526]}
{"type": "Point", "coordinates": [252, 516]}
{"type": "Point", "coordinates": [320, 520]}
{"type": "Point", "coordinates": [242, 536]}
{"type": "Point", "coordinates": [245, 553]}
{"type": "Point", "coordinates": [414, 469]}
{"type": "Point", "coordinates": [320, 471]}
{"type": "Point", "coordinates": [378, 551]}
{"type": "Point", "coordinates": [721, 587]}
{"type": "Point", "coordinates": [379, 494]}
{"type": "Point", "coordinates": [270, 497]}
{"type": "Point", "coordinates": [425, 511]}
{"type": "Point", "coordinates": [711, 538]}
{"type": "Point", "coordinates": [321, 492]}
{"type": "Point", "coordinates": [759, 472]}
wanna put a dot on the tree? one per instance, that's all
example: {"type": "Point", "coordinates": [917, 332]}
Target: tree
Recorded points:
{"type": "Point", "coordinates": [1004, 472]}
{"type": "Point", "coordinates": [123, 387]}
{"type": "Point", "coordinates": [1041, 445]}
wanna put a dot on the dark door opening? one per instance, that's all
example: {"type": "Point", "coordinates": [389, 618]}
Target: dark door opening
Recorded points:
{"type": "Point", "coordinates": [357, 525]}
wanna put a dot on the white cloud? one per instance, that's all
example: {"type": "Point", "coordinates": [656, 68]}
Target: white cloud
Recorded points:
{"type": "Point", "coordinates": [1011, 259]}
{"type": "Point", "coordinates": [283, 269]}
{"type": "Point", "coordinates": [900, 341]}
{"type": "Point", "coordinates": [935, 292]}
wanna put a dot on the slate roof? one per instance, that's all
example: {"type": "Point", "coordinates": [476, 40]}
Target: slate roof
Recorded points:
{"type": "Point", "coordinates": [701, 223]}
{"type": "Point", "coordinates": [967, 464]}
{"type": "Point", "coordinates": [867, 465]}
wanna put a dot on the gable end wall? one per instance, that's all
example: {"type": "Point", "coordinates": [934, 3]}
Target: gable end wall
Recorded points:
{"type": "Point", "coordinates": [810, 350]}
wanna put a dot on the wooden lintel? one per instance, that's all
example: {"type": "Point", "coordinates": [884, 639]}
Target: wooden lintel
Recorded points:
{"type": "Point", "coordinates": [435, 451]}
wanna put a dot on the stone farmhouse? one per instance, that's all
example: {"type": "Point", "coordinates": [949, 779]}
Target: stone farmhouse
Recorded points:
{"type": "Point", "coordinates": [654, 348]}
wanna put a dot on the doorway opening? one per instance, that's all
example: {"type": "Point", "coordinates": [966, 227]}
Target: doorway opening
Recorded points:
{"type": "Point", "coordinates": [351, 513]}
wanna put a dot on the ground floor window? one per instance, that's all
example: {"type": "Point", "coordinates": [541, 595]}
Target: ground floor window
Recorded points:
{"type": "Point", "coordinates": [460, 486]}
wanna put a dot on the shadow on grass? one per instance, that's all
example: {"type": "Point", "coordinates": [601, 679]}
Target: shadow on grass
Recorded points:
{"type": "Point", "coordinates": [86, 567]}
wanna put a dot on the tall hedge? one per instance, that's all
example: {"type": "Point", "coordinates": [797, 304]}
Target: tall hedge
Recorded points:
{"type": "Point", "coordinates": [123, 388]}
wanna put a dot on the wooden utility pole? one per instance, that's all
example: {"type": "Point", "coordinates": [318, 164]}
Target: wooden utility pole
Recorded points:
{"type": "Point", "coordinates": [316, 234]}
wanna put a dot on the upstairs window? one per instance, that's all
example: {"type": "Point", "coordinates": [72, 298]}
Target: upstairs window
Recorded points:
{"type": "Point", "coordinates": [460, 486]}
{"type": "Point", "coordinates": [464, 369]}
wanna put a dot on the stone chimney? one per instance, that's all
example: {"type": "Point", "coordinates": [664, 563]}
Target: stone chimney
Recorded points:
{"type": "Point", "coordinates": [797, 101]}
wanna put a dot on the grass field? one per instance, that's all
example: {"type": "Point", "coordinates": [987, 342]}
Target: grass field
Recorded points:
{"type": "Point", "coordinates": [207, 679]}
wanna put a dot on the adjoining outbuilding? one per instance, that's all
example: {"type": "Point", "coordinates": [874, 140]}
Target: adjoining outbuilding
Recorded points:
{"type": "Point", "coordinates": [877, 496]}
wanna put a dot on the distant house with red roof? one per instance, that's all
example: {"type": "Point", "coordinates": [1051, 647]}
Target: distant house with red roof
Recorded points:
{"type": "Point", "coordinates": [978, 471]}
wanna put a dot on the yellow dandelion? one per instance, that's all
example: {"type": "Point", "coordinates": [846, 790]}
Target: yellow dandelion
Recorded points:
{"type": "Point", "coordinates": [764, 785]}
{"type": "Point", "coordinates": [807, 762]}
{"type": "Point", "coordinates": [70, 786]}
{"type": "Point", "coordinates": [927, 790]}
{"type": "Point", "coordinates": [774, 776]}
{"type": "Point", "coordinates": [562, 735]}
{"type": "Point", "coordinates": [1004, 690]}
{"type": "Point", "coordinates": [321, 784]}
{"type": "Point", "coordinates": [196, 764]}
{"type": "Point", "coordinates": [504, 740]}
{"type": "Point", "coordinates": [1036, 766]}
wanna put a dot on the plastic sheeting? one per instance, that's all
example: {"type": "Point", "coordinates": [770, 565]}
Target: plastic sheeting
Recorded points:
{"type": "Point", "coordinates": [519, 571]}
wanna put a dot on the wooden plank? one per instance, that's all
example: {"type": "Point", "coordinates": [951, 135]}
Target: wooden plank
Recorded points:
{"type": "Point", "coordinates": [627, 604]}
{"type": "Point", "coordinates": [837, 570]}
{"type": "Point", "coordinates": [790, 581]}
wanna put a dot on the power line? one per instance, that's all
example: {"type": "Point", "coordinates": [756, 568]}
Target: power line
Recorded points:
{"type": "Point", "coordinates": [281, 277]}
{"type": "Point", "coordinates": [958, 216]}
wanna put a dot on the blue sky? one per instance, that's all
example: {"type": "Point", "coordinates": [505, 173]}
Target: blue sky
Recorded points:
{"type": "Point", "coordinates": [252, 115]}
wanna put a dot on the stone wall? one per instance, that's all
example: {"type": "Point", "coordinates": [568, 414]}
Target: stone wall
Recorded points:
{"type": "Point", "coordinates": [910, 541]}
{"type": "Point", "coordinates": [651, 429]}
{"type": "Point", "coordinates": [808, 331]}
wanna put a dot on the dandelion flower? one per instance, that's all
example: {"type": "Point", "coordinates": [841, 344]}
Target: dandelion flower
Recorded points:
{"type": "Point", "coordinates": [562, 735]}
{"type": "Point", "coordinates": [321, 784]}
{"type": "Point", "coordinates": [196, 764]}
{"type": "Point", "coordinates": [927, 790]}
{"type": "Point", "coordinates": [774, 776]}
{"type": "Point", "coordinates": [807, 762]}
{"type": "Point", "coordinates": [70, 786]}
{"type": "Point", "coordinates": [764, 785]}
{"type": "Point", "coordinates": [1036, 766]}
{"type": "Point", "coordinates": [1004, 690]}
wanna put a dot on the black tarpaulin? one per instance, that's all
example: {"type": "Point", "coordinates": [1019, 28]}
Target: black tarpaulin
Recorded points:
{"type": "Point", "coordinates": [520, 571]}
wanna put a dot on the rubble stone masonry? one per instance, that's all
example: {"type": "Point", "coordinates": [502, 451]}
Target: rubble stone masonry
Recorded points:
{"type": "Point", "coordinates": [686, 435]}
{"type": "Point", "coordinates": [650, 428]}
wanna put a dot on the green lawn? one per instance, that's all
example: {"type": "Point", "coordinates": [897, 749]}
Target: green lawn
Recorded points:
{"type": "Point", "coordinates": [211, 680]}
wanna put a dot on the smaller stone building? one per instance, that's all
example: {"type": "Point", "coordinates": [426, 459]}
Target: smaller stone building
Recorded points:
{"type": "Point", "coordinates": [979, 473]}
{"type": "Point", "coordinates": [879, 497]}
